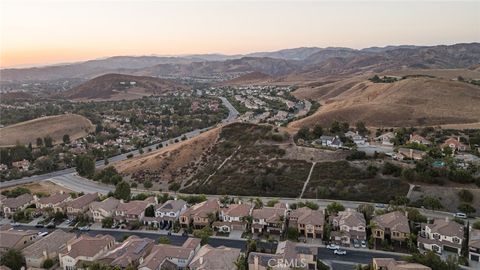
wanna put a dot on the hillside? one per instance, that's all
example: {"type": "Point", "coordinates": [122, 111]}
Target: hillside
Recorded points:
{"type": "Point", "coordinates": [56, 126]}
{"type": "Point", "coordinates": [121, 86]}
{"type": "Point", "coordinates": [408, 102]}
{"type": "Point", "coordinates": [250, 78]}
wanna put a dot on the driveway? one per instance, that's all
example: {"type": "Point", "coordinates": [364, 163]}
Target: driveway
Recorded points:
{"type": "Point", "coordinates": [235, 235]}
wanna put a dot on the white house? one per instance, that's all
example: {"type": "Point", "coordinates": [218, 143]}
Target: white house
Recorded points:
{"type": "Point", "coordinates": [443, 234]}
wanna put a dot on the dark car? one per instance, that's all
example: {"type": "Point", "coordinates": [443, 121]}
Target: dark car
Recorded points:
{"type": "Point", "coordinates": [51, 225]}
{"type": "Point", "coordinates": [39, 225]}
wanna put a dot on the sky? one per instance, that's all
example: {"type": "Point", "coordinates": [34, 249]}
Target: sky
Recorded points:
{"type": "Point", "coordinates": [45, 32]}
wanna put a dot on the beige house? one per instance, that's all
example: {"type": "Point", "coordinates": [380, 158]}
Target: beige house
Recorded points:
{"type": "Point", "coordinates": [47, 247]}
{"type": "Point", "coordinates": [16, 239]}
{"type": "Point", "coordinates": [348, 225]}
{"type": "Point", "coordinates": [84, 250]}
{"type": "Point", "coordinates": [443, 234]}
{"type": "Point", "coordinates": [103, 209]}
{"type": "Point", "coordinates": [133, 210]}
{"type": "Point", "coordinates": [407, 153]}
{"type": "Point", "coordinates": [80, 205]}
{"type": "Point", "coordinates": [288, 255]}
{"type": "Point", "coordinates": [416, 138]}
{"type": "Point", "coordinates": [12, 205]}
{"type": "Point", "coordinates": [209, 258]}
{"type": "Point", "coordinates": [132, 252]}
{"type": "Point", "coordinates": [474, 245]}
{"type": "Point", "coordinates": [393, 226]}
{"type": "Point", "coordinates": [54, 201]}
{"type": "Point", "coordinates": [454, 144]}
{"type": "Point", "coordinates": [171, 257]}
{"type": "Point", "coordinates": [232, 217]}
{"type": "Point", "coordinates": [308, 222]}
{"type": "Point", "coordinates": [392, 264]}
{"type": "Point", "coordinates": [199, 215]}
{"type": "Point", "coordinates": [269, 219]}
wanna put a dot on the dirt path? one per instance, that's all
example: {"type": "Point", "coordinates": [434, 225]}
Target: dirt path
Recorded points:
{"type": "Point", "coordinates": [308, 179]}
{"type": "Point", "coordinates": [221, 165]}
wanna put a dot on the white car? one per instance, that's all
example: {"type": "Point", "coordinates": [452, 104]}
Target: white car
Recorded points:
{"type": "Point", "coordinates": [333, 247]}
{"type": "Point", "coordinates": [42, 234]}
{"type": "Point", "coordinates": [340, 252]}
{"type": "Point", "coordinates": [460, 215]}
{"type": "Point", "coordinates": [86, 228]}
{"type": "Point", "coordinates": [364, 244]}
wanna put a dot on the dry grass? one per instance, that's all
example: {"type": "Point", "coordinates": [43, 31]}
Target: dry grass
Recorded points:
{"type": "Point", "coordinates": [409, 102]}
{"type": "Point", "coordinates": [56, 126]}
{"type": "Point", "coordinates": [42, 187]}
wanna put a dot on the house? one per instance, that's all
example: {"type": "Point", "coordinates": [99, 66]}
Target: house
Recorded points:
{"type": "Point", "coordinates": [269, 219]}
{"type": "Point", "coordinates": [386, 138]}
{"type": "Point", "coordinates": [12, 205]}
{"type": "Point", "coordinates": [209, 258]}
{"type": "Point", "coordinates": [201, 214]}
{"type": "Point", "coordinates": [330, 141]}
{"type": "Point", "coordinates": [22, 165]}
{"type": "Point", "coordinates": [171, 257]}
{"type": "Point", "coordinates": [474, 245]}
{"type": "Point", "coordinates": [308, 222]}
{"type": "Point", "coordinates": [3, 167]}
{"type": "Point", "coordinates": [167, 212]}
{"type": "Point", "coordinates": [392, 264]}
{"type": "Point", "coordinates": [289, 255]}
{"type": "Point", "coordinates": [103, 209]}
{"type": "Point", "coordinates": [79, 205]}
{"type": "Point", "coordinates": [47, 247]}
{"type": "Point", "coordinates": [54, 201]}
{"type": "Point", "coordinates": [133, 210]}
{"type": "Point", "coordinates": [454, 144]}
{"type": "Point", "coordinates": [407, 153]}
{"type": "Point", "coordinates": [393, 226]}
{"type": "Point", "coordinates": [443, 234]}
{"type": "Point", "coordinates": [415, 138]}
{"type": "Point", "coordinates": [85, 250]}
{"type": "Point", "coordinates": [131, 252]}
{"type": "Point", "coordinates": [348, 225]}
{"type": "Point", "coordinates": [16, 239]}
{"type": "Point", "coordinates": [356, 138]}
{"type": "Point", "coordinates": [233, 217]}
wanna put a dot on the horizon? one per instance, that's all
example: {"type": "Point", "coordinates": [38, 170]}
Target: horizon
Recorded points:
{"type": "Point", "coordinates": [41, 33]}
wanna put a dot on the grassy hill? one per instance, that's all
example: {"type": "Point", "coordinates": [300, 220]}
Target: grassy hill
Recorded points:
{"type": "Point", "coordinates": [56, 126]}
{"type": "Point", "coordinates": [415, 101]}
{"type": "Point", "coordinates": [121, 86]}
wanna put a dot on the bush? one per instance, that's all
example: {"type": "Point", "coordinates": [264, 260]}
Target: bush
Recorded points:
{"type": "Point", "coordinates": [130, 155]}
{"type": "Point", "coordinates": [174, 186]}
{"type": "Point", "coordinates": [147, 184]}
{"type": "Point", "coordinates": [355, 155]}
{"type": "Point", "coordinates": [465, 195]}
{"type": "Point", "coordinates": [391, 169]}
{"type": "Point", "coordinates": [48, 263]}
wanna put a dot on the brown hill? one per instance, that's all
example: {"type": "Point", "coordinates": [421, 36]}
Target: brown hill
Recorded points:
{"type": "Point", "coordinates": [14, 96]}
{"type": "Point", "coordinates": [121, 86]}
{"type": "Point", "coordinates": [413, 101]}
{"type": "Point", "coordinates": [55, 126]}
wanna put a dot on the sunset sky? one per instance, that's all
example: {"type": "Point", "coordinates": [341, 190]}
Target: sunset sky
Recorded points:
{"type": "Point", "coordinates": [44, 32]}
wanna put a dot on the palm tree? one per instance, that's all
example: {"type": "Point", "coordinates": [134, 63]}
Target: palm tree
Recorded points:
{"type": "Point", "coordinates": [372, 227]}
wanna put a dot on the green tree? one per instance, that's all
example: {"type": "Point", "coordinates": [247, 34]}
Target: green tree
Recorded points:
{"type": "Point", "coordinates": [433, 261]}
{"type": "Point", "coordinates": [335, 207]}
{"type": "Point", "coordinates": [150, 211]}
{"type": "Point", "coordinates": [292, 234]}
{"type": "Point", "coordinates": [317, 131]}
{"type": "Point", "coordinates": [39, 142]}
{"type": "Point", "coordinates": [432, 203]}
{"type": "Point", "coordinates": [107, 222]}
{"type": "Point", "coordinates": [303, 133]}
{"type": "Point", "coordinates": [361, 128]}
{"type": "Point", "coordinates": [147, 184]}
{"type": "Point", "coordinates": [48, 141]}
{"type": "Point", "coordinates": [48, 263]}
{"type": "Point", "coordinates": [122, 191]}
{"type": "Point", "coordinates": [204, 234]}
{"type": "Point", "coordinates": [164, 240]}
{"type": "Point", "coordinates": [85, 165]}
{"type": "Point", "coordinates": [13, 259]}
{"type": "Point", "coordinates": [476, 225]}
{"type": "Point", "coordinates": [66, 139]}
{"type": "Point", "coordinates": [465, 195]}
{"type": "Point", "coordinates": [175, 186]}
{"type": "Point", "coordinates": [466, 208]}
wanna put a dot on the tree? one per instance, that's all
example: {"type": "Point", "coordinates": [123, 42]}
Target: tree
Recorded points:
{"type": "Point", "coordinates": [367, 210]}
{"type": "Point", "coordinates": [85, 165]}
{"type": "Point", "coordinates": [48, 263]}
{"type": "Point", "coordinates": [415, 216]}
{"type": "Point", "coordinates": [150, 211]}
{"type": "Point", "coordinates": [317, 131]}
{"type": "Point", "coordinates": [39, 142]}
{"type": "Point", "coordinates": [241, 263]}
{"type": "Point", "coordinates": [122, 191]}
{"type": "Point", "coordinates": [164, 240]}
{"type": "Point", "coordinates": [303, 133]}
{"type": "Point", "coordinates": [48, 141]}
{"type": "Point", "coordinates": [107, 222]}
{"type": "Point", "coordinates": [13, 259]}
{"type": "Point", "coordinates": [204, 234]}
{"type": "Point", "coordinates": [466, 208]}
{"type": "Point", "coordinates": [361, 128]}
{"type": "Point", "coordinates": [292, 234]}
{"type": "Point", "coordinates": [433, 261]}
{"type": "Point", "coordinates": [147, 184]}
{"type": "Point", "coordinates": [432, 203]}
{"type": "Point", "coordinates": [476, 225]}
{"type": "Point", "coordinates": [272, 203]}
{"type": "Point", "coordinates": [66, 139]}
{"type": "Point", "coordinates": [175, 186]}
{"type": "Point", "coordinates": [335, 207]}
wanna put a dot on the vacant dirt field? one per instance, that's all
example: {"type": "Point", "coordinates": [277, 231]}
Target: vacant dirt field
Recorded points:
{"type": "Point", "coordinates": [42, 187]}
{"type": "Point", "coordinates": [56, 126]}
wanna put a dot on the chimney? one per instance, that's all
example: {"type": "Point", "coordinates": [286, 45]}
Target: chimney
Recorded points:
{"type": "Point", "coordinates": [255, 263]}
{"type": "Point", "coordinates": [411, 153]}
{"type": "Point", "coordinates": [201, 260]}
{"type": "Point", "coordinates": [458, 138]}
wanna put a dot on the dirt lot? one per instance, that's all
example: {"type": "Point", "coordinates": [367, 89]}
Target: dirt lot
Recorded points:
{"type": "Point", "coordinates": [42, 187]}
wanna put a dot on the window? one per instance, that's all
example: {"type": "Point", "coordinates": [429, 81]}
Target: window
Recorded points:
{"type": "Point", "coordinates": [456, 240]}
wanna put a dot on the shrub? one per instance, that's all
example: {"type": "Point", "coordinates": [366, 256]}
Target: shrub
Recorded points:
{"type": "Point", "coordinates": [48, 263]}
{"type": "Point", "coordinates": [355, 155]}
{"type": "Point", "coordinates": [465, 195]}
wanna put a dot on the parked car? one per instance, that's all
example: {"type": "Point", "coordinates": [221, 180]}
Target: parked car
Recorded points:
{"type": "Point", "coordinates": [364, 244]}
{"type": "Point", "coordinates": [340, 252]}
{"type": "Point", "coordinates": [42, 234]}
{"type": "Point", "coordinates": [460, 215]}
{"type": "Point", "coordinates": [39, 225]}
{"type": "Point", "coordinates": [333, 247]}
{"type": "Point", "coordinates": [356, 243]}
{"type": "Point", "coordinates": [84, 228]}
{"type": "Point", "coordinates": [51, 225]}
{"type": "Point", "coordinates": [14, 224]}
